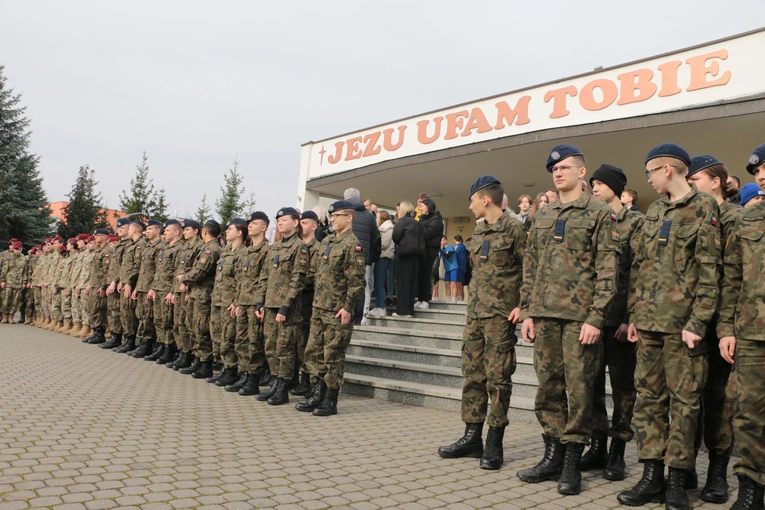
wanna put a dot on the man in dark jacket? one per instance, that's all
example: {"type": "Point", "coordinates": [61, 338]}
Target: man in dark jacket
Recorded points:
{"type": "Point", "coordinates": [366, 231]}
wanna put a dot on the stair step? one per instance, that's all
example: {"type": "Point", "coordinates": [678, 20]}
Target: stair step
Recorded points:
{"type": "Point", "coordinates": [412, 353]}
{"type": "Point", "coordinates": [450, 316]}
{"type": "Point", "coordinates": [417, 324]}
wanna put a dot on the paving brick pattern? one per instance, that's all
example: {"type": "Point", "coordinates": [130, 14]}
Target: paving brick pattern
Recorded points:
{"type": "Point", "coordinates": [83, 428]}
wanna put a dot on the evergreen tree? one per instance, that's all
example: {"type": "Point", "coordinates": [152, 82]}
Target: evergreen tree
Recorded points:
{"type": "Point", "coordinates": [249, 206]}
{"type": "Point", "coordinates": [230, 204]}
{"type": "Point", "coordinates": [159, 211]}
{"type": "Point", "coordinates": [24, 211]}
{"type": "Point", "coordinates": [142, 198]}
{"type": "Point", "coordinates": [83, 214]}
{"type": "Point", "coordinates": [203, 211]}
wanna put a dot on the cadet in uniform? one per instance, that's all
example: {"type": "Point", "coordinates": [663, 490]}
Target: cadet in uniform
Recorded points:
{"type": "Point", "coordinates": [338, 287]}
{"type": "Point", "coordinates": [74, 278]}
{"type": "Point", "coordinates": [488, 353]}
{"type": "Point", "coordinates": [84, 285]}
{"type": "Point", "coordinates": [182, 312]}
{"type": "Point", "coordinates": [161, 293]}
{"type": "Point", "coordinates": [98, 285]}
{"type": "Point", "coordinates": [13, 277]}
{"type": "Point", "coordinates": [144, 308]}
{"type": "Point", "coordinates": [113, 295]}
{"type": "Point", "coordinates": [250, 343]}
{"type": "Point", "coordinates": [608, 183]}
{"type": "Point", "coordinates": [569, 280]}
{"type": "Point", "coordinates": [29, 294]}
{"type": "Point", "coordinates": [741, 329]}
{"type": "Point", "coordinates": [129, 269]}
{"type": "Point", "coordinates": [281, 283]}
{"type": "Point", "coordinates": [674, 280]}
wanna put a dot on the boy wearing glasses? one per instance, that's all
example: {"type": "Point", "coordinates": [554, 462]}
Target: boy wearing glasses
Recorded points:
{"type": "Point", "coordinates": [569, 280]}
{"type": "Point", "coordinates": [673, 296]}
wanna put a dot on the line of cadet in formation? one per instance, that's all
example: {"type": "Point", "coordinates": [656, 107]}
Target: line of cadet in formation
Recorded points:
{"type": "Point", "coordinates": [654, 298]}
{"type": "Point", "coordinates": [277, 315]}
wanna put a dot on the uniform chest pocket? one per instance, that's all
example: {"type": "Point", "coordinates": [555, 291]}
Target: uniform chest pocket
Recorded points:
{"type": "Point", "coordinates": [285, 265]}
{"type": "Point", "coordinates": [336, 261]}
{"type": "Point", "coordinates": [501, 251]}
{"type": "Point", "coordinates": [685, 240]}
{"type": "Point", "coordinates": [751, 244]}
{"type": "Point", "coordinates": [579, 234]}
{"type": "Point", "coordinates": [543, 230]}
{"type": "Point", "coordinates": [228, 268]}
{"type": "Point", "coordinates": [649, 234]}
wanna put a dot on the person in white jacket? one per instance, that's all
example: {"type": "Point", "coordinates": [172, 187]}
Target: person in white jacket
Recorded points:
{"type": "Point", "coordinates": [382, 265]}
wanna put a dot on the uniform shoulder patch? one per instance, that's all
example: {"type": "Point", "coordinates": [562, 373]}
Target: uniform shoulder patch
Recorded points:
{"type": "Point", "coordinates": [613, 216]}
{"type": "Point", "coordinates": [714, 221]}
{"type": "Point", "coordinates": [207, 252]}
{"type": "Point", "coordinates": [358, 248]}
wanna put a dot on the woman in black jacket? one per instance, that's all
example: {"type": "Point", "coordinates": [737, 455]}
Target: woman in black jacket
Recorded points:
{"type": "Point", "coordinates": [409, 237]}
{"type": "Point", "coordinates": [433, 224]}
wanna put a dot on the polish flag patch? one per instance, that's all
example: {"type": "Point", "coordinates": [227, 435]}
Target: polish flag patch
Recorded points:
{"type": "Point", "coordinates": [358, 248]}
{"type": "Point", "coordinates": [714, 221]}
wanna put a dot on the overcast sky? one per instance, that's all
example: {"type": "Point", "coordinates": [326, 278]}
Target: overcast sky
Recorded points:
{"type": "Point", "coordinates": [196, 83]}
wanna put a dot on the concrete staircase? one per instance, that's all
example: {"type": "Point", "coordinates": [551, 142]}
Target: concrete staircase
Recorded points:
{"type": "Point", "coordinates": [417, 361]}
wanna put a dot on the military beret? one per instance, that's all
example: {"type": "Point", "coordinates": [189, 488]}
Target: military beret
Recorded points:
{"type": "Point", "coordinates": [71, 240]}
{"type": "Point", "coordinates": [62, 250]}
{"type": "Point", "coordinates": [699, 163]}
{"type": "Point", "coordinates": [91, 239]}
{"type": "Point", "coordinates": [749, 191]}
{"type": "Point", "coordinates": [57, 238]}
{"type": "Point", "coordinates": [82, 237]}
{"type": "Point", "coordinates": [287, 211]}
{"type": "Point", "coordinates": [483, 182]}
{"type": "Point", "coordinates": [669, 150]}
{"type": "Point", "coordinates": [237, 221]}
{"type": "Point", "coordinates": [213, 223]}
{"type": "Point", "coordinates": [341, 205]}
{"type": "Point", "coordinates": [310, 215]}
{"type": "Point", "coordinates": [101, 232]}
{"type": "Point", "coordinates": [154, 222]}
{"type": "Point", "coordinates": [122, 222]}
{"type": "Point", "coordinates": [113, 238]}
{"type": "Point", "coordinates": [259, 215]}
{"type": "Point", "coordinates": [559, 153]}
{"type": "Point", "coordinates": [13, 240]}
{"type": "Point", "coordinates": [756, 159]}
{"type": "Point", "coordinates": [139, 223]}
{"type": "Point", "coordinates": [33, 250]}
{"type": "Point", "coordinates": [172, 222]}
{"type": "Point", "coordinates": [612, 176]}
{"type": "Point", "coordinates": [17, 245]}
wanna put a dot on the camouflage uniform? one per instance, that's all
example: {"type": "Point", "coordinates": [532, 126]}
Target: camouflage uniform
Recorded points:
{"type": "Point", "coordinates": [569, 279]}
{"type": "Point", "coordinates": [742, 315]}
{"type": "Point", "coordinates": [164, 278]}
{"type": "Point", "coordinates": [281, 282]}
{"type": "Point", "coordinates": [201, 278]}
{"type": "Point", "coordinates": [14, 274]}
{"type": "Point", "coordinates": [131, 266]}
{"type": "Point", "coordinates": [182, 312]}
{"type": "Point", "coordinates": [29, 297]}
{"type": "Point", "coordinates": [74, 273]}
{"type": "Point", "coordinates": [114, 301]}
{"type": "Point", "coordinates": [307, 301]}
{"type": "Point", "coordinates": [488, 352]}
{"type": "Point", "coordinates": [37, 285]}
{"type": "Point", "coordinates": [98, 281]}
{"type": "Point", "coordinates": [674, 279]}
{"type": "Point", "coordinates": [63, 290]}
{"type": "Point", "coordinates": [55, 294]}
{"type": "Point", "coordinates": [338, 284]}
{"type": "Point", "coordinates": [619, 356]}
{"type": "Point", "coordinates": [45, 263]}
{"type": "Point", "coordinates": [144, 309]}
{"type": "Point", "coordinates": [250, 342]}
{"type": "Point", "coordinates": [222, 324]}
{"type": "Point", "coordinates": [83, 283]}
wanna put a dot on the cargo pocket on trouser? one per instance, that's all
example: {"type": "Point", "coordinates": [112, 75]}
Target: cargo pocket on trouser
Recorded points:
{"type": "Point", "coordinates": [500, 350]}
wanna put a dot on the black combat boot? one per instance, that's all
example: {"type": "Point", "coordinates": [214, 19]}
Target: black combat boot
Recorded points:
{"type": "Point", "coordinates": [314, 398]}
{"type": "Point", "coordinates": [303, 387]}
{"type": "Point", "coordinates": [204, 371]}
{"type": "Point", "coordinates": [127, 346]}
{"type": "Point", "coordinates": [328, 406]}
{"type": "Point", "coordinates": [251, 386]}
{"type": "Point", "coordinates": [137, 345]}
{"type": "Point", "coordinates": [282, 395]}
{"type": "Point", "coordinates": [184, 362]}
{"type": "Point", "coordinates": [265, 376]}
{"type": "Point", "coordinates": [168, 354]}
{"type": "Point", "coordinates": [213, 378]}
{"type": "Point", "coordinates": [492, 457]}
{"type": "Point", "coordinates": [550, 466]}
{"type": "Point", "coordinates": [179, 355]}
{"type": "Point", "coordinates": [677, 495]}
{"type": "Point", "coordinates": [570, 481]}
{"type": "Point", "coordinates": [716, 488]}
{"type": "Point", "coordinates": [156, 353]}
{"type": "Point", "coordinates": [750, 495]}
{"type": "Point", "coordinates": [615, 466]}
{"type": "Point", "coordinates": [114, 341]}
{"type": "Point", "coordinates": [193, 366]}
{"type": "Point", "coordinates": [89, 339]}
{"type": "Point", "coordinates": [469, 445]}
{"type": "Point", "coordinates": [595, 458]}
{"type": "Point", "coordinates": [650, 488]}
{"type": "Point", "coordinates": [263, 397]}
{"type": "Point", "coordinates": [217, 365]}
{"type": "Point", "coordinates": [144, 349]}
{"type": "Point", "coordinates": [98, 336]}
{"type": "Point", "coordinates": [231, 376]}
{"type": "Point", "coordinates": [239, 383]}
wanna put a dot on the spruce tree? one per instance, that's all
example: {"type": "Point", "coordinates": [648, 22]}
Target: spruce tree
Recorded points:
{"type": "Point", "coordinates": [230, 204]}
{"type": "Point", "coordinates": [24, 211]}
{"type": "Point", "coordinates": [203, 211]}
{"type": "Point", "coordinates": [249, 206]}
{"type": "Point", "coordinates": [141, 198]}
{"type": "Point", "coordinates": [83, 214]}
{"type": "Point", "coordinates": [159, 211]}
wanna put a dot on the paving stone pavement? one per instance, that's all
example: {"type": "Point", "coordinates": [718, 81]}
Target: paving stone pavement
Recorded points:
{"type": "Point", "coordinates": [84, 428]}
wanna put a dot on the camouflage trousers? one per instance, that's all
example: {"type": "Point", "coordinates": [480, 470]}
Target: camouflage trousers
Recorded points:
{"type": "Point", "coordinates": [223, 333]}
{"type": "Point", "coordinates": [163, 319]}
{"type": "Point", "coordinates": [11, 300]}
{"type": "Point", "coordinates": [566, 371]}
{"type": "Point", "coordinates": [84, 308]}
{"type": "Point", "coordinates": [325, 352]}
{"type": "Point", "coordinates": [113, 311]}
{"type": "Point", "coordinates": [66, 304]}
{"type": "Point", "coordinates": [746, 391]}
{"type": "Point", "coordinates": [250, 340]}
{"type": "Point", "coordinates": [715, 420]}
{"type": "Point", "coordinates": [488, 364]}
{"type": "Point", "coordinates": [97, 305]}
{"type": "Point", "coordinates": [37, 293]}
{"type": "Point", "coordinates": [55, 305]}
{"type": "Point", "coordinates": [281, 341]}
{"type": "Point", "coordinates": [28, 310]}
{"type": "Point", "coordinates": [669, 378]}
{"type": "Point", "coordinates": [128, 318]}
{"type": "Point", "coordinates": [144, 310]}
{"type": "Point", "coordinates": [305, 327]}
{"type": "Point", "coordinates": [45, 302]}
{"type": "Point", "coordinates": [76, 308]}
{"type": "Point", "coordinates": [620, 359]}
{"type": "Point", "coordinates": [180, 332]}
{"type": "Point", "coordinates": [200, 320]}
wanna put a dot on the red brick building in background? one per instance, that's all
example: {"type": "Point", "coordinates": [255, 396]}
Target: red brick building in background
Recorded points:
{"type": "Point", "coordinates": [57, 211]}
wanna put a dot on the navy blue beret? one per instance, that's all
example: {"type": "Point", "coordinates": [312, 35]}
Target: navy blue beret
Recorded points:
{"type": "Point", "coordinates": [191, 223]}
{"type": "Point", "coordinates": [259, 215]}
{"type": "Point", "coordinates": [483, 182]}
{"type": "Point", "coordinates": [154, 222]}
{"type": "Point", "coordinates": [669, 150]}
{"type": "Point", "coordinates": [341, 205]}
{"type": "Point", "coordinates": [139, 223]}
{"type": "Point", "coordinates": [171, 222]}
{"type": "Point", "coordinates": [756, 159]}
{"type": "Point", "coordinates": [287, 211]}
{"type": "Point", "coordinates": [310, 215]}
{"type": "Point", "coordinates": [212, 222]}
{"type": "Point", "coordinates": [559, 153]}
{"type": "Point", "coordinates": [122, 222]}
{"type": "Point", "coordinates": [237, 221]}
{"type": "Point", "coordinates": [699, 163]}
{"type": "Point", "coordinates": [101, 232]}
